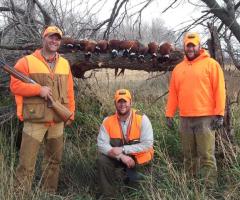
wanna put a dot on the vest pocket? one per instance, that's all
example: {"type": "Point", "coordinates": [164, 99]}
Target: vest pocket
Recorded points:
{"type": "Point", "coordinates": [143, 158]}
{"type": "Point", "coordinates": [33, 108]}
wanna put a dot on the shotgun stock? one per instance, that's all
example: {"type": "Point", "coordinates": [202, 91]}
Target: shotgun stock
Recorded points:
{"type": "Point", "coordinates": [63, 112]}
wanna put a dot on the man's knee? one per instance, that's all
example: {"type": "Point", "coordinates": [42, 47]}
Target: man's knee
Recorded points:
{"type": "Point", "coordinates": [104, 160]}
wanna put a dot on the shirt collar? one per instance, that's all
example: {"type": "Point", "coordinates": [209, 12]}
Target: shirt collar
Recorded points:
{"type": "Point", "coordinates": [39, 55]}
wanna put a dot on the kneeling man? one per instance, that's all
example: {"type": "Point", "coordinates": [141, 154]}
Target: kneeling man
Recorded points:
{"type": "Point", "coordinates": [125, 142]}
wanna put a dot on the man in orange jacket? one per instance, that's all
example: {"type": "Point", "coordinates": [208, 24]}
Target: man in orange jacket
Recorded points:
{"type": "Point", "coordinates": [125, 142]}
{"type": "Point", "coordinates": [53, 75]}
{"type": "Point", "coordinates": [197, 89]}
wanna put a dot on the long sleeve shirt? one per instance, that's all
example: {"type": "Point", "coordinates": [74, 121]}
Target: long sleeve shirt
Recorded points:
{"type": "Point", "coordinates": [146, 138]}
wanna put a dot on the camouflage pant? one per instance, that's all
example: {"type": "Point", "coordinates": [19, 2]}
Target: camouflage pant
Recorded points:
{"type": "Point", "coordinates": [198, 143]}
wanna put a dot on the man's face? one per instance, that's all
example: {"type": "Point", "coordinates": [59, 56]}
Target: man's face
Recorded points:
{"type": "Point", "coordinates": [123, 107]}
{"type": "Point", "coordinates": [51, 43]}
{"type": "Point", "coordinates": [192, 51]}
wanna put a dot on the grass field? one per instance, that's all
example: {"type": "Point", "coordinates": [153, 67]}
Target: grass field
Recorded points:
{"type": "Point", "coordinates": [165, 179]}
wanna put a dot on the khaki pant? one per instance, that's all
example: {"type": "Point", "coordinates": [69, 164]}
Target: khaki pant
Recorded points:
{"type": "Point", "coordinates": [198, 143]}
{"type": "Point", "coordinates": [33, 135]}
{"type": "Point", "coordinates": [113, 173]}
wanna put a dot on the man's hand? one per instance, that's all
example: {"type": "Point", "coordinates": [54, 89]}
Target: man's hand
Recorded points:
{"type": "Point", "coordinates": [169, 122]}
{"type": "Point", "coordinates": [45, 92]}
{"type": "Point", "coordinates": [127, 160]}
{"type": "Point", "coordinates": [115, 151]}
{"type": "Point", "coordinates": [217, 122]}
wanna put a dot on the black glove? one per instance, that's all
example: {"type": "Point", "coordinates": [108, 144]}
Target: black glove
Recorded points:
{"type": "Point", "coordinates": [170, 122]}
{"type": "Point", "coordinates": [217, 122]}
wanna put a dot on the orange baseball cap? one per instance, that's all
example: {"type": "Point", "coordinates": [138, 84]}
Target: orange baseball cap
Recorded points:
{"type": "Point", "coordinates": [193, 38]}
{"type": "Point", "coordinates": [52, 30]}
{"type": "Point", "coordinates": [122, 94]}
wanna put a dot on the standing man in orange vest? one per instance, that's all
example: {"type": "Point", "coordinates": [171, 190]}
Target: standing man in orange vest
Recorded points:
{"type": "Point", "coordinates": [197, 89]}
{"type": "Point", "coordinates": [53, 75]}
{"type": "Point", "coordinates": [125, 142]}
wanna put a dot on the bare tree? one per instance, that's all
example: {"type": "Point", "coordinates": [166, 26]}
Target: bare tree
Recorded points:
{"type": "Point", "coordinates": [227, 14]}
{"type": "Point", "coordinates": [23, 20]}
{"type": "Point", "coordinates": [220, 14]}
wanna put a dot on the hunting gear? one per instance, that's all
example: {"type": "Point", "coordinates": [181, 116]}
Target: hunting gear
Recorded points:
{"type": "Point", "coordinates": [125, 143]}
{"type": "Point", "coordinates": [63, 112]}
{"type": "Point", "coordinates": [37, 107]}
{"type": "Point", "coordinates": [197, 89]}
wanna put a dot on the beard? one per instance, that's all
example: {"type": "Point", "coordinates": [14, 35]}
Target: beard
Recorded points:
{"type": "Point", "coordinates": [123, 113]}
{"type": "Point", "coordinates": [195, 55]}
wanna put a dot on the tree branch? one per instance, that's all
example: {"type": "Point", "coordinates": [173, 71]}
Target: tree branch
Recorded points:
{"type": "Point", "coordinates": [231, 54]}
{"type": "Point", "coordinates": [113, 16]}
{"type": "Point", "coordinates": [80, 65]}
{"type": "Point", "coordinates": [226, 16]}
{"type": "Point", "coordinates": [46, 16]}
{"type": "Point", "coordinates": [170, 6]}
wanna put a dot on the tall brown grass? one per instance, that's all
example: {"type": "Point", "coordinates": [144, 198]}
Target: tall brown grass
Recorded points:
{"type": "Point", "coordinates": [165, 177]}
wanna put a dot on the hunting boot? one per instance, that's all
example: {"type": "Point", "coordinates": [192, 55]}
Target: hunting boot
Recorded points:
{"type": "Point", "coordinates": [51, 164]}
{"type": "Point", "coordinates": [27, 160]}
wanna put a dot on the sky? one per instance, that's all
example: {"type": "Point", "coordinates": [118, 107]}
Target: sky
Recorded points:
{"type": "Point", "coordinates": [173, 17]}
{"type": "Point", "coordinates": [183, 13]}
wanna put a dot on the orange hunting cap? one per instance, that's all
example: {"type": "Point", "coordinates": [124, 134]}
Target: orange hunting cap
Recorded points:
{"type": "Point", "coordinates": [192, 38]}
{"type": "Point", "coordinates": [122, 94]}
{"type": "Point", "coordinates": [52, 30]}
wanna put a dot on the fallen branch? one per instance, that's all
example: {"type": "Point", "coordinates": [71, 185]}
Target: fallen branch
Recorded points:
{"type": "Point", "coordinates": [80, 65]}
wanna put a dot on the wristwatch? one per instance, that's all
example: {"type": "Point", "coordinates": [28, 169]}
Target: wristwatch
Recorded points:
{"type": "Point", "coordinates": [123, 150]}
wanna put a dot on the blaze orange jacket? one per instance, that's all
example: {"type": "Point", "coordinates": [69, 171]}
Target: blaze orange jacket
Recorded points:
{"type": "Point", "coordinates": [197, 88]}
{"type": "Point", "coordinates": [113, 128]}
{"type": "Point", "coordinates": [36, 68]}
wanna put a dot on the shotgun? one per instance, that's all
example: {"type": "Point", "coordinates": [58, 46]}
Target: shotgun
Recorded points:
{"type": "Point", "coordinates": [58, 108]}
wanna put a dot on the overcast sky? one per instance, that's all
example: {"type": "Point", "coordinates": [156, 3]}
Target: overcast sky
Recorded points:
{"type": "Point", "coordinates": [178, 16]}
{"type": "Point", "coordinates": [173, 17]}
{"type": "Point", "coordinates": [182, 14]}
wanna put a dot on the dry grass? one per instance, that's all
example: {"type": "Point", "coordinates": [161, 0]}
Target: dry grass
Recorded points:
{"type": "Point", "coordinates": [165, 179]}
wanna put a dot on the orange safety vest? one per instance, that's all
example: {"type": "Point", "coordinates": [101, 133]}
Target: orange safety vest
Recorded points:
{"type": "Point", "coordinates": [113, 127]}
{"type": "Point", "coordinates": [35, 108]}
